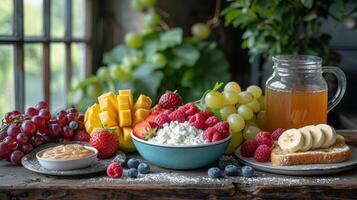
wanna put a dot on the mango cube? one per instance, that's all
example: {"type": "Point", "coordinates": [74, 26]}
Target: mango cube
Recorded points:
{"type": "Point", "coordinates": [125, 118]}
{"type": "Point", "coordinates": [92, 120]}
{"type": "Point", "coordinates": [129, 94]}
{"type": "Point", "coordinates": [143, 102]}
{"type": "Point", "coordinates": [108, 102]}
{"type": "Point", "coordinates": [127, 134]}
{"type": "Point", "coordinates": [123, 102]}
{"type": "Point", "coordinates": [108, 118]}
{"type": "Point", "coordinates": [140, 115]}
{"type": "Point", "coordinates": [125, 142]}
{"type": "Point", "coordinates": [92, 124]}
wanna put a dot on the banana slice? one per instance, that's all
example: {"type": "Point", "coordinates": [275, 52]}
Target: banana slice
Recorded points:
{"type": "Point", "coordinates": [307, 139]}
{"type": "Point", "coordinates": [330, 135]}
{"type": "Point", "coordinates": [291, 140]}
{"type": "Point", "coordinates": [318, 138]}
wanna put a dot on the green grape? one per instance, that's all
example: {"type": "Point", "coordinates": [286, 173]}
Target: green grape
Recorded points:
{"type": "Point", "coordinates": [255, 91]}
{"type": "Point", "coordinates": [230, 97]}
{"type": "Point", "coordinates": [236, 140]}
{"type": "Point", "coordinates": [201, 31]}
{"type": "Point", "coordinates": [245, 97]}
{"type": "Point", "coordinates": [133, 40]}
{"type": "Point", "coordinates": [261, 119]}
{"type": "Point", "coordinates": [137, 5]}
{"type": "Point", "coordinates": [127, 62]}
{"type": "Point", "coordinates": [254, 105]}
{"type": "Point", "coordinates": [236, 122]}
{"type": "Point", "coordinates": [245, 112]}
{"type": "Point", "coordinates": [147, 3]}
{"type": "Point", "coordinates": [103, 73]}
{"type": "Point", "coordinates": [137, 60]}
{"type": "Point", "coordinates": [250, 132]}
{"type": "Point", "coordinates": [152, 19]}
{"type": "Point", "coordinates": [159, 59]}
{"type": "Point", "coordinates": [252, 121]}
{"type": "Point", "coordinates": [262, 102]}
{"type": "Point", "coordinates": [116, 72]}
{"type": "Point", "coordinates": [214, 99]}
{"type": "Point", "coordinates": [94, 90]}
{"type": "Point", "coordinates": [225, 111]}
{"type": "Point", "coordinates": [232, 86]}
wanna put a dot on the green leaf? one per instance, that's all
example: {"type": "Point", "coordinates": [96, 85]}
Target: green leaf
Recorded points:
{"type": "Point", "coordinates": [147, 81]}
{"type": "Point", "coordinates": [172, 37]}
{"type": "Point", "coordinates": [231, 15]}
{"type": "Point", "coordinates": [307, 3]}
{"type": "Point", "coordinates": [184, 55]}
{"type": "Point", "coordinates": [117, 54]}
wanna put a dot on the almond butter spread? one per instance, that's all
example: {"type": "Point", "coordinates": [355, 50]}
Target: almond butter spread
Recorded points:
{"type": "Point", "coordinates": [67, 152]}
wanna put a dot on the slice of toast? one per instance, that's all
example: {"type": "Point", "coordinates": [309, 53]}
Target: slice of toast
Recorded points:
{"type": "Point", "coordinates": [338, 152]}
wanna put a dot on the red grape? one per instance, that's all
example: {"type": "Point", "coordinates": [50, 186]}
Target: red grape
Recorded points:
{"type": "Point", "coordinates": [62, 113]}
{"type": "Point", "coordinates": [72, 117]}
{"type": "Point", "coordinates": [48, 139]}
{"type": "Point", "coordinates": [29, 127]}
{"type": "Point", "coordinates": [80, 125]}
{"type": "Point", "coordinates": [10, 140]}
{"type": "Point", "coordinates": [27, 148]}
{"type": "Point", "coordinates": [31, 111]}
{"type": "Point", "coordinates": [43, 129]}
{"type": "Point", "coordinates": [42, 105]}
{"type": "Point", "coordinates": [55, 130]}
{"type": "Point", "coordinates": [9, 117]}
{"type": "Point", "coordinates": [3, 135]}
{"type": "Point", "coordinates": [13, 130]}
{"type": "Point", "coordinates": [62, 120]}
{"type": "Point", "coordinates": [45, 114]}
{"type": "Point", "coordinates": [4, 148]}
{"type": "Point", "coordinates": [81, 118]}
{"type": "Point", "coordinates": [36, 140]}
{"type": "Point", "coordinates": [16, 157]}
{"type": "Point", "coordinates": [16, 112]}
{"type": "Point", "coordinates": [67, 132]}
{"type": "Point", "coordinates": [22, 138]}
{"type": "Point", "coordinates": [39, 121]}
{"type": "Point", "coordinates": [74, 111]}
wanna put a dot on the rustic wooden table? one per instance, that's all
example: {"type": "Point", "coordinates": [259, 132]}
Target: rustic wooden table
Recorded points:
{"type": "Point", "coordinates": [19, 183]}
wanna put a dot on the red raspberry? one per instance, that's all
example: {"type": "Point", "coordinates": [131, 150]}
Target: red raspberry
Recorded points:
{"type": "Point", "coordinates": [208, 134]}
{"type": "Point", "coordinates": [223, 128]}
{"type": "Point", "coordinates": [206, 113]}
{"type": "Point", "coordinates": [170, 100]}
{"type": "Point", "coordinates": [211, 121]}
{"type": "Point", "coordinates": [167, 112]}
{"type": "Point", "coordinates": [192, 109]}
{"type": "Point", "coordinates": [198, 121]}
{"type": "Point", "coordinates": [248, 148]}
{"type": "Point", "coordinates": [162, 119]}
{"type": "Point", "coordinates": [262, 153]}
{"type": "Point", "coordinates": [217, 137]}
{"type": "Point", "coordinates": [114, 170]}
{"type": "Point", "coordinates": [177, 115]}
{"type": "Point", "coordinates": [277, 133]}
{"type": "Point", "coordinates": [264, 137]}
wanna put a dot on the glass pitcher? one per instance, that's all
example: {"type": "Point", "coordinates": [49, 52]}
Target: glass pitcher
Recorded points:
{"type": "Point", "coordinates": [296, 92]}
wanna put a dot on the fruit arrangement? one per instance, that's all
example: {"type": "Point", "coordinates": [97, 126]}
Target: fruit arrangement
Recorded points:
{"type": "Point", "coordinates": [20, 132]}
{"type": "Point", "coordinates": [119, 113]}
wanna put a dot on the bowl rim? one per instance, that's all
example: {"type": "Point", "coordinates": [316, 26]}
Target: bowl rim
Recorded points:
{"type": "Point", "coordinates": [71, 160]}
{"type": "Point", "coordinates": [181, 146]}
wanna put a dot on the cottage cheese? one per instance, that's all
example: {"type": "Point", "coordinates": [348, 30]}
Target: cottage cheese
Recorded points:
{"type": "Point", "coordinates": [176, 133]}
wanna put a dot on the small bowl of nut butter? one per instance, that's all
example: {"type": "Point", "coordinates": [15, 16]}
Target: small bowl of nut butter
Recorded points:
{"type": "Point", "coordinates": [67, 157]}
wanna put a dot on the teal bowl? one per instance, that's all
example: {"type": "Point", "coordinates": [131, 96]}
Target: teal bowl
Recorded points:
{"type": "Point", "coordinates": [180, 157]}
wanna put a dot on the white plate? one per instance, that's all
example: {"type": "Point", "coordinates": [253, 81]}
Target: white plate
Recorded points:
{"type": "Point", "coordinates": [301, 170]}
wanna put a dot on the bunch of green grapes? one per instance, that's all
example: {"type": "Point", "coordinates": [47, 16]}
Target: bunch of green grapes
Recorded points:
{"type": "Point", "coordinates": [243, 110]}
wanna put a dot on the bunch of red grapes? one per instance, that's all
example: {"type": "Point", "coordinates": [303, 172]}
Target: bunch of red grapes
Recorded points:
{"type": "Point", "coordinates": [21, 133]}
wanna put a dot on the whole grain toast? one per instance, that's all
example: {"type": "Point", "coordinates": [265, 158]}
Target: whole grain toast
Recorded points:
{"type": "Point", "coordinates": [338, 152]}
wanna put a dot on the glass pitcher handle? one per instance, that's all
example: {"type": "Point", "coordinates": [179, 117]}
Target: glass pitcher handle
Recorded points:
{"type": "Point", "coordinates": [341, 87]}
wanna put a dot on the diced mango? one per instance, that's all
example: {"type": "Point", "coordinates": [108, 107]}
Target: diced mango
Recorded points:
{"type": "Point", "coordinates": [140, 115]}
{"type": "Point", "coordinates": [125, 118]}
{"type": "Point", "coordinates": [143, 102]}
{"type": "Point", "coordinates": [125, 141]}
{"type": "Point", "coordinates": [108, 102]}
{"type": "Point", "coordinates": [129, 94]}
{"type": "Point", "coordinates": [92, 120]}
{"type": "Point", "coordinates": [92, 124]}
{"type": "Point", "coordinates": [123, 102]}
{"type": "Point", "coordinates": [86, 114]}
{"type": "Point", "coordinates": [108, 119]}
{"type": "Point", "coordinates": [116, 129]}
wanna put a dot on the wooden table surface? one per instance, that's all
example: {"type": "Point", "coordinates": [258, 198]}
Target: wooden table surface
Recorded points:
{"type": "Point", "coordinates": [19, 183]}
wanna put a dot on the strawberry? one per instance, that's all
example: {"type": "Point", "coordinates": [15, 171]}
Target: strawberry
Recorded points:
{"type": "Point", "coordinates": [145, 129]}
{"type": "Point", "coordinates": [177, 115]}
{"type": "Point", "coordinates": [222, 128]}
{"type": "Point", "coordinates": [151, 117]}
{"type": "Point", "coordinates": [207, 114]}
{"type": "Point", "coordinates": [170, 100]}
{"type": "Point", "coordinates": [81, 135]}
{"type": "Point", "coordinates": [105, 142]}
{"type": "Point", "coordinates": [198, 121]}
{"type": "Point", "coordinates": [211, 121]}
{"type": "Point", "coordinates": [162, 119]}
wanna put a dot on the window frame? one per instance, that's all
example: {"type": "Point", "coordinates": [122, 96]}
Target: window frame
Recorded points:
{"type": "Point", "coordinates": [18, 40]}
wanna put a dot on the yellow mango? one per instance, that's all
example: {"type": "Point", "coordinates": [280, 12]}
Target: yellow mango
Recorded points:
{"type": "Point", "coordinates": [123, 102]}
{"type": "Point", "coordinates": [92, 124]}
{"type": "Point", "coordinates": [140, 115]}
{"type": "Point", "coordinates": [129, 94]}
{"type": "Point", "coordinates": [108, 102]}
{"type": "Point", "coordinates": [127, 134]}
{"type": "Point", "coordinates": [92, 121]}
{"type": "Point", "coordinates": [143, 102]}
{"type": "Point", "coordinates": [108, 119]}
{"type": "Point", "coordinates": [125, 141]}
{"type": "Point", "coordinates": [125, 118]}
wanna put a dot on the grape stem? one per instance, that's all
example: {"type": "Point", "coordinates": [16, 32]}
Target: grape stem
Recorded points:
{"type": "Point", "coordinates": [17, 120]}
{"type": "Point", "coordinates": [164, 25]}
{"type": "Point", "coordinates": [215, 21]}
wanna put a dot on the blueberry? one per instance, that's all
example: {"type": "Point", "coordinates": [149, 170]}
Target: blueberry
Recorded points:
{"type": "Point", "coordinates": [73, 125]}
{"type": "Point", "coordinates": [132, 173]}
{"type": "Point", "coordinates": [144, 168]}
{"type": "Point", "coordinates": [231, 170]}
{"type": "Point", "coordinates": [133, 163]}
{"type": "Point", "coordinates": [214, 172]}
{"type": "Point", "coordinates": [227, 160]}
{"type": "Point", "coordinates": [247, 171]}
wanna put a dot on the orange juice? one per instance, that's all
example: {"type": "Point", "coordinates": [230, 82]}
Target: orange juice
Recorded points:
{"type": "Point", "coordinates": [294, 108]}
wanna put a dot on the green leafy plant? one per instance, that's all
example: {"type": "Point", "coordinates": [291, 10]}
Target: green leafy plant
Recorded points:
{"type": "Point", "coordinates": [154, 61]}
{"type": "Point", "coordinates": [287, 27]}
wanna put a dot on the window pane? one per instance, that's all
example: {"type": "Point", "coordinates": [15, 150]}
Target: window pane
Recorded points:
{"type": "Point", "coordinates": [6, 13]}
{"type": "Point", "coordinates": [78, 68]}
{"type": "Point", "coordinates": [57, 18]}
{"type": "Point", "coordinates": [57, 85]}
{"type": "Point", "coordinates": [33, 74]}
{"type": "Point", "coordinates": [7, 97]}
{"type": "Point", "coordinates": [33, 15]}
{"type": "Point", "coordinates": [78, 13]}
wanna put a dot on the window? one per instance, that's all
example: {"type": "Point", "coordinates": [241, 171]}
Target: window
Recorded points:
{"type": "Point", "coordinates": [44, 50]}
